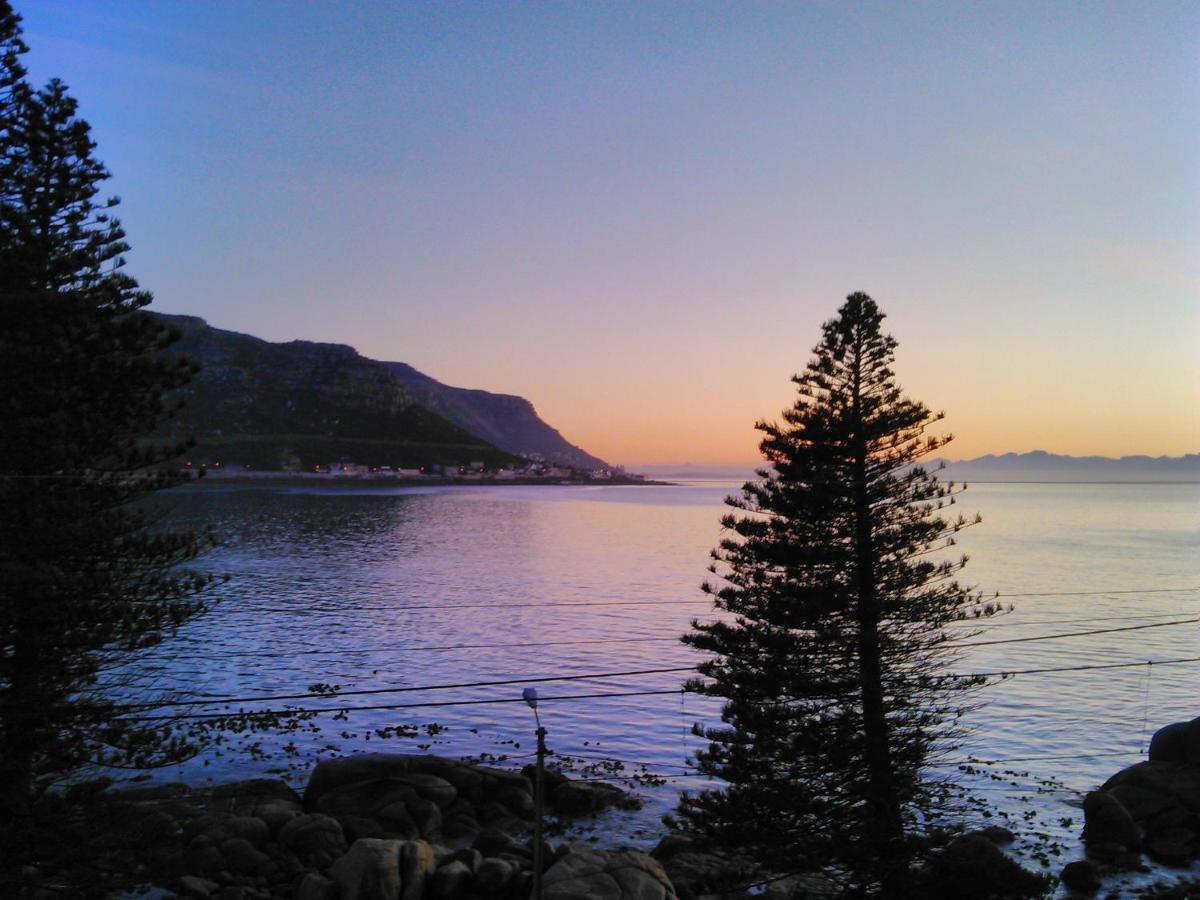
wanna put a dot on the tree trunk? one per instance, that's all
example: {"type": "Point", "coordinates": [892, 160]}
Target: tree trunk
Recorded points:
{"type": "Point", "coordinates": [886, 824]}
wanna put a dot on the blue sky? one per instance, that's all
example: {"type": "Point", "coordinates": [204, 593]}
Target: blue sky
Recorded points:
{"type": "Point", "coordinates": [638, 215]}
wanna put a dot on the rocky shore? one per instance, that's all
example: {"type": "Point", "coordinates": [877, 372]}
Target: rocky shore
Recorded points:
{"type": "Point", "coordinates": [409, 827]}
{"type": "Point", "coordinates": [1148, 811]}
{"type": "Point", "coordinates": [373, 827]}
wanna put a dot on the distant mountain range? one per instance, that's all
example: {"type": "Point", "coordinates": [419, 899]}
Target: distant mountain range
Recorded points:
{"type": "Point", "coordinates": [1037, 466]}
{"type": "Point", "coordinates": [300, 404]}
{"type": "Point", "coordinates": [1042, 466]}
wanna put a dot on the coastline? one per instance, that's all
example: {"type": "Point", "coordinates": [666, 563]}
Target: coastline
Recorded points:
{"type": "Point", "coordinates": [211, 476]}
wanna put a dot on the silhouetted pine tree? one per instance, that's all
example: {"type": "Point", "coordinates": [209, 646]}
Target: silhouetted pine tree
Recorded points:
{"type": "Point", "coordinates": [830, 660]}
{"type": "Point", "coordinates": [87, 568]}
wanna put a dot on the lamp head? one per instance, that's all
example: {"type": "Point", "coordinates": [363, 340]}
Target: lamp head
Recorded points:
{"type": "Point", "coordinates": [531, 697]}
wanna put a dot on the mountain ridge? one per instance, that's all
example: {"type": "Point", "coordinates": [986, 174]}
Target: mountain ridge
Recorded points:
{"type": "Point", "coordinates": [300, 404]}
{"type": "Point", "coordinates": [506, 420]}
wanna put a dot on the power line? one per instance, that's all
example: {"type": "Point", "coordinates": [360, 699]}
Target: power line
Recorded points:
{"type": "Point", "coordinates": [350, 651]}
{"type": "Point", "coordinates": [618, 640]}
{"type": "Point", "coordinates": [989, 625]}
{"type": "Point", "coordinates": [593, 676]}
{"type": "Point", "coordinates": [434, 649]}
{"type": "Point", "coordinates": [386, 706]}
{"type": "Point", "coordinates": [1148, 662]}
{"type": "Point", "coordinates": [1051, 637]}
{"type": "Point", "coordinates": [679, 602]}
{"type": "Point", "coordinates": [310, 695]}
{"type": "Point", "coordinates": [1098, 593]}
{"type": "Point", "coordinates": [672, 639]}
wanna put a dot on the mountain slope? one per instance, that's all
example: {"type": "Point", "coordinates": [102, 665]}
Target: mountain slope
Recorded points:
{"type": "Point", "coordinates": [301, 404]}
{"type": "Point", "coordinates": [508, 421]}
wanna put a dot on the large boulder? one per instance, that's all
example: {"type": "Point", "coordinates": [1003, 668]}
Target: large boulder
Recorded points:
{"type": "Point", "coordinates": [417, 864]}
{"type": "Point", "coordinates": [451, 880]}
{"type": "Point", "coordinates": [972, 867]}
{"type": "Point", "coordinates": [1178, 742]}
{"type": "Point", "coordinates": [370, 870]}
{"type": "Point", "coordinates": [587, 874]}
{"type": "Point", "coordinates": [1080, 876]}
{"type": "Point", "coordinates": [1161, 797]}
{"type": "Point", "coordinates": [574, 798]}
{"type": "Point", "coordinates": [315, 839]}
{"type": "Point", "coordinates": [433, 777]}
{"type": "Point", "coordinates": [494, 876]}
{"type": "Point", "coordinates": [695, 872]}
{"type": "Point", "coordinates": [1107, 823]}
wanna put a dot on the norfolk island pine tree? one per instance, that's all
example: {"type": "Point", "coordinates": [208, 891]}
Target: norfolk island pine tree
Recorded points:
{"type": "Point", "coordinates": [89, 573]}
{"type": "Point", "coordinates": [831, 660]}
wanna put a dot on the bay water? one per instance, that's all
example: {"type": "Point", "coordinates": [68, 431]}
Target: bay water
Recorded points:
{"type": "Point", "coordinates": [403, 590]}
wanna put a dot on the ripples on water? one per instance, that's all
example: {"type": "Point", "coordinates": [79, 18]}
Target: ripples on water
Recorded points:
{"type": "Point", "coordinates": [354, 586]}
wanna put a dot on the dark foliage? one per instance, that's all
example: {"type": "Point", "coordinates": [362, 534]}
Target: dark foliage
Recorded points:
{"type": "Point", "coordinates": [831, 655]}
{"type": "Point", "coordinates": [88, 569]}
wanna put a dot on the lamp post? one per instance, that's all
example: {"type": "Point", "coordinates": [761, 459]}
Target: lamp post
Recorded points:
{"type": "Point", "coordinates": [539, 797]}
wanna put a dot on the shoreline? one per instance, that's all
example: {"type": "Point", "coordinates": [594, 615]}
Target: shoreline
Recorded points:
{"type": "Point", "coordinates": [308, 478]}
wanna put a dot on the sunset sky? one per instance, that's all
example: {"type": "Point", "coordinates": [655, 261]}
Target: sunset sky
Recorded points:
{"type": "Point", "coordinates": [637, 215]}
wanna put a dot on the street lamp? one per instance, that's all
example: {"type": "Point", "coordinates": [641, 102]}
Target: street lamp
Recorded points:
{"type": "Point", "coordinates": [530, 696]}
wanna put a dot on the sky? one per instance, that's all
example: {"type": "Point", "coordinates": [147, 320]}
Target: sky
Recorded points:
{"type": "Point", "coordinates": [637, 215]}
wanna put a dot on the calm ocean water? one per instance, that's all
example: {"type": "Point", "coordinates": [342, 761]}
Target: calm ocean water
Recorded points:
{"type": "Point", "coordinates": [372, 587]}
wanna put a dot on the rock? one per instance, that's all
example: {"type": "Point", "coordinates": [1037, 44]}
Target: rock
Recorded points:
{"type": "Point", "coordinates": [586, 874]}
{"type": "Point", "coordinates": [671, 845]}
{"type": "Point", "coordinates": [489, 812]}
{"type": "Point", "coordinates": [551, 778]}
{"type": "Point", "coordinates": [461, 829]}
{"type": "Point", "coordinates": [370, 870]}
{"type": "Point", "coordinates": [493, 842]}
{"type": "Point", "coordinates": [417, 863]}
{"type": "Point", "coordinates": [232, 892]}
{"type": "Point", "coordinates": [277, 813]}
{"type": "Point", "coordinates": [330, 774]}
{"type": "Point", "coordinates": [694, 873]}
{"type": "Point", "coordinates": [242, 857]}
{"type": "Point", "coordinates": [202, 888]}
{"type": "Point", "coordinates": [426, 816]}
{"type": "Point", "coordinates": [971, 866]}
{"type": "Point", "coordinates": [365, 798]}
{"type": "Point", "coordinates": [1162, 796]}
{"type": "Point", "coordinates": [1107, 821]}
{"type": "Point", "coordinates": [316, 887]}
{"type": "Point", "coordinates": [807, 885]}
{"type": "Point", "coordinates": [493, 876]}
{"type": "Point", "coordinates": [250, 828]}
{"type": "Point", "coordinates": [1173, 847]}
{"type": "Point", "coordinates": [574, 798]}
{"type": "Point", "coordinates": [466, 780]}
{"type": "Point", "coordinates": [1178, 780]}
{"type": "Point", "coordinates": [469, 857]}
{"type": "Point", "coordinates": [155, 793]}
{"type": "Point", "coordinates": [356, 827]}
{"type": "Point", "coordinates": [433, 788]}
{"type": "Point", "coordinates": [997, 834]}
{"type": "Point", "coordinates": [253, 791]}
{"type": "Point", "coordinates": [1081, 877]}
{"type": "Point", "coordinates": [495, 779]}
{"type": "Point", "coordinates": [397, 821]}
{"type": "Point", "coordinates": [317, 840]}
{"type": "Point", "coordinates": [203, 857]}
{"type": "Point", "coordinates": [451, 880]}
{"type": "Point", "coordinates": [152, 826]}
{"type": "Point", "coordinates": [1177, 743]}
{"type": "Point", "coordinates": [515, 799]}
{"type": "Point", "coordinates": [1152, 810]}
